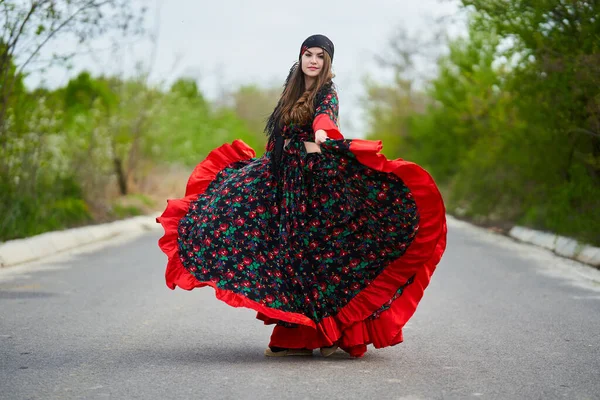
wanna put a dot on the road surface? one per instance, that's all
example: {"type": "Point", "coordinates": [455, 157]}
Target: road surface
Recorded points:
{"type": "Point", "coordinates": [500, 320]}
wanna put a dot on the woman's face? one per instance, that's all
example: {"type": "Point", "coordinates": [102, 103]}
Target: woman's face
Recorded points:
{"type": "Point", "coordinates": [312, 61]}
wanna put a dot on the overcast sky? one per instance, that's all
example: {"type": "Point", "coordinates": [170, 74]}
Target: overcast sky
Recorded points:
{"type": "Point", "coordinates": [225, 43]}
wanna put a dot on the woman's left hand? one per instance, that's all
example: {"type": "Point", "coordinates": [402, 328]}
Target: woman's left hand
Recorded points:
{"type": "Point", "coordinates": [320, 136]}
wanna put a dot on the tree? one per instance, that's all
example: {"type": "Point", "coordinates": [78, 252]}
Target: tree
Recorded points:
{"type": "Point", "coordinates": [511, 130]}
{"type": "Point", "coordinates": [38, 189]}
{"type": "Point", "coordinates": [31, 26]}
{"type": "Point", "coordinates": [552, 48]}
{"type": "Point", "coordinates": [555, 45]}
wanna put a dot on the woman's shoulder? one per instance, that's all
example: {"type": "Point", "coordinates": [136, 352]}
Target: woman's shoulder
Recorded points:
{"type": "Point", "coordinates": [327, 91]}
{"type": "Point", "coordinates": [329, 88]}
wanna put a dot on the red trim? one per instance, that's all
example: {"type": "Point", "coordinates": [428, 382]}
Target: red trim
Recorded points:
{"type": "Point", "coordinates": [322, 121]}
{"type": "Point", "coordinates": [219, 158]}
{"type": "Point", "coordinates": [423, 254]}
{"type": "Point", "coordinates": [350, 327]}
{"type": "Point", "coordinates": [176, 274]}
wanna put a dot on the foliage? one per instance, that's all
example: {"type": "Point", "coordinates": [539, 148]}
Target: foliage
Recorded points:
{"type": "Point", "coordinates": [30, 27]}
{"type": "Point", "coordinates": [63, 146]}
{"type": "Point", "coordinates": [39, 180]}
{"type": "Point", "coordinates": [512, 129]}
{"type": "Point", "coordinates": [254, 105]}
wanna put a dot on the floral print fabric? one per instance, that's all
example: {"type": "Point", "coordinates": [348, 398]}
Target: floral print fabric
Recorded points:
{"type": "Point", "coordinates": [330, 107]}
{"type": "Point", "coordinates": [307, 243]}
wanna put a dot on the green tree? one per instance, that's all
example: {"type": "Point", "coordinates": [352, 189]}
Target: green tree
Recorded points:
{"type": "Point", "coordinates": [32, 26]}
{"type": "Point", "coordinates": [39, 189]}
{"type": "Point", "coordinates": [554, 46]}
{"type": "Point", "coordinates": [511, 130]}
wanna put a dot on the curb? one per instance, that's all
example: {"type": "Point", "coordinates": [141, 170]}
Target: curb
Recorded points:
{"type": "Point", "coordinates": [561, 245]}
{"type": "Point", "coordinates": [19, 251]}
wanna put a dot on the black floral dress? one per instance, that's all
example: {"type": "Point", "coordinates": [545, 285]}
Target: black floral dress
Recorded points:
{"type": "Point", "coordinates": [337, 249]}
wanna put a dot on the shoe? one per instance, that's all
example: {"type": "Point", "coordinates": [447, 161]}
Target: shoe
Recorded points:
{"type": "Point", "coordinates": [288, 352]}
{"type": "Point", "coordinates": [327, 351]}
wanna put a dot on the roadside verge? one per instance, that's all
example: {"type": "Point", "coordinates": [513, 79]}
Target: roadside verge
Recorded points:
{"type": "Point", "coordinates": [19, 251]}
{"type": "Point", "coordinates": [560, 245]}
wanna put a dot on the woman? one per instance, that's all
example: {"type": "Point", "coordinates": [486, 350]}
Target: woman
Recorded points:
{"type": "Point", "coordinates": [323, 236]}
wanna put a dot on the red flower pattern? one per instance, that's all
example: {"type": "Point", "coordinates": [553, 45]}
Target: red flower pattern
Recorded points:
{"type": "Point", "coordinates": [307, 243]}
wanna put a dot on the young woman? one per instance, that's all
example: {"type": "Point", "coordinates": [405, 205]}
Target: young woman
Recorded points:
{"type": "Point", "coordinates": [323, 236]}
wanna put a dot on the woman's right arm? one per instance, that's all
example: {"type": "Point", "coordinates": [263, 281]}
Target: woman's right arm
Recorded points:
{"type": "Point", "coordinates": [326, 116]}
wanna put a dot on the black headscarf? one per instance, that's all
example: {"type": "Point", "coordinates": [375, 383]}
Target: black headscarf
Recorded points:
{"type": "Point", "coordinates": [273, 127]}
{"type": "Point", "coordinates": [321, 41]}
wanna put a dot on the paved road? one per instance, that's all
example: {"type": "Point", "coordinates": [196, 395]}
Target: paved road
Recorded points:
{"type": "Point", "coordinates": [500, 320]}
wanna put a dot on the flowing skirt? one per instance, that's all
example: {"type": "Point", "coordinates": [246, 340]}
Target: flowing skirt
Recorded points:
{"type": "Point", "coordinates": [337, 250]}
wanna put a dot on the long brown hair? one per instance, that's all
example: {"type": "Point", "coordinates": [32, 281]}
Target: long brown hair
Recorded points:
{"type": "Point", "coordinates": [297, 103]}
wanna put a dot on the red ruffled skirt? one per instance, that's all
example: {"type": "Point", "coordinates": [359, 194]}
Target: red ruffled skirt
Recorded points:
{"type": "Point", "coordinates": [338, 250]}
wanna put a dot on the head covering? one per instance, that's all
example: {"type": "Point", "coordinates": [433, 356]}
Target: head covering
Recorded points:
{"type": "Point", "coordinates": [321, 41]}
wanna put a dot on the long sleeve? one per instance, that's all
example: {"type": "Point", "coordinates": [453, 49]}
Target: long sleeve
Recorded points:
{"type": "Point", "coordinates": [326, 116]}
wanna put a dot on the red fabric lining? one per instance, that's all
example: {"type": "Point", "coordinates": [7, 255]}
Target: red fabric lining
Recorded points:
{"type": "Point", "coordinates": [176, 274]}
{"type": "Point", "coordinates": [322, 121]}
{"type": "Point", "coordinates": [350, 327]}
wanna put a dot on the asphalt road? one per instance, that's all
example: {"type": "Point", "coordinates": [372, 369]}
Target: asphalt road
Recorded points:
{"type": "Point", "coordinates": [500, 320]}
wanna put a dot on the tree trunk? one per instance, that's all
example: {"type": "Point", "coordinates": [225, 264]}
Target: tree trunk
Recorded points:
{"type": "Point", "coordinates": [121, 176]}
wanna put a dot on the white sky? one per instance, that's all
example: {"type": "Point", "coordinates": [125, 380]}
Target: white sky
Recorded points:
{"type": "Point", "coordinates": [226, 43]}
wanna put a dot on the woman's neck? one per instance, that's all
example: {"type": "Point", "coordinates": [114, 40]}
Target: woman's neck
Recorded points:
{"type": "Point", "coordinates": [308, 82]}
